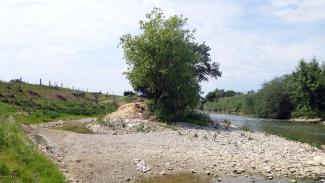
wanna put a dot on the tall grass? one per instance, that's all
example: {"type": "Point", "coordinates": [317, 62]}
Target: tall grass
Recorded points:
{"type": "Point", "coordinates": [20, 161]}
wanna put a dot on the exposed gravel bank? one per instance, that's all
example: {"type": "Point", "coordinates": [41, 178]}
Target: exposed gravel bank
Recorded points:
{"type": "Point", "coordinates": [123, 157]}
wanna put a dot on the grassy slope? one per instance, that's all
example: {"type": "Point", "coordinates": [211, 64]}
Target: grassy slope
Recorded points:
{"type": "Point", "coordinates": [20, 161]}
{"type": "Point", "coordinates": [36, 103]}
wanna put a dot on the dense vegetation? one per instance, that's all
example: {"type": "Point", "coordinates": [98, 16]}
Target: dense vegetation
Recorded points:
{"type": "Point", "coordinates": [215, 95]}
{"type": "Point", "coordinates": [20, 161]}
{"type": "Point", "coordinates": [166, 65]}
{"type": "Point", "coordinates": [300, 94]}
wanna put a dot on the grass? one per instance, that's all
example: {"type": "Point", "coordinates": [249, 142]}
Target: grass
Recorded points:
{"type": "Point", "coordinates": [76, 129]}
{"type": "Point", "coordinates": [32, 104]}
{"type": "Point", "coordinates": [20, 161]}
{"type": "Point", "coordinates": [198, 118]}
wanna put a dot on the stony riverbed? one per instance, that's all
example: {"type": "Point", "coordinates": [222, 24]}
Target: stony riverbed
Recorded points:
{"type": "Point", "coordinates": [178, 149]}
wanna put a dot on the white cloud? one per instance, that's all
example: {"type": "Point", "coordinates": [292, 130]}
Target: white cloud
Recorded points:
{"type": "Point", "coordinates": [299, 10]}
{"type": "Point", "coordinates": [75, 41]}
{"type": "Point", "coordinates": [60, 40]}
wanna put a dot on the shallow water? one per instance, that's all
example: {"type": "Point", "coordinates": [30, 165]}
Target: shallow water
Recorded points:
{"type": "Point", "coordinates": [190, 178]}
{"type": "Point", "coordinates": [313, 134]}
{"type": "Point", "coordinates": [76, 129]}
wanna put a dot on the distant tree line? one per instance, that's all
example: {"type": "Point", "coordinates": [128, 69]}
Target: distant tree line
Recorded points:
{"type": "Point", "coordinates": [215, 95]}
{"type": "Point", "coordinates": [299, 94]}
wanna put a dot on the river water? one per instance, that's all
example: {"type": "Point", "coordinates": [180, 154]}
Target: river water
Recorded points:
{"type": "Point", "coordinates": [313, 134]}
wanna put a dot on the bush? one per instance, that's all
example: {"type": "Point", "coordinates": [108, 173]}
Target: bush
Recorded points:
{"type": "Point", "coordinates": [198, 118]}
{"type": "Point", "coordinates": [128, 93]}
{"type": "Point", "coordinates": [304, 111]}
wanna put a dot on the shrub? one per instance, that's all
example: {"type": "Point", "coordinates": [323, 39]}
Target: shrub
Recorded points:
{"type": "Point", "coordinates": [198, 118]}
{"type": "Point", "coordinates": [128, 93]}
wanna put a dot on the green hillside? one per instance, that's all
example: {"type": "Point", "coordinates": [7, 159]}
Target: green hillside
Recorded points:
{"type": "Point", "coordinates": [26, 103]}
{"type": "Point", "coordinates": [37, 103]}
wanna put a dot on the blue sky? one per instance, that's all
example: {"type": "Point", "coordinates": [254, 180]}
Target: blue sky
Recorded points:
{"type": "Point", "coordinates": [75, 41]}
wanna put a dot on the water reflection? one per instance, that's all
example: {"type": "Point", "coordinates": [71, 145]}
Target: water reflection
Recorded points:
{"type": "Point", "coordinates": [313, 134]}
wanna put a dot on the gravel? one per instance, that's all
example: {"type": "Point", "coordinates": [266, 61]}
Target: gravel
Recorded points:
{"type": "Point", "coordinates": [180, 149]}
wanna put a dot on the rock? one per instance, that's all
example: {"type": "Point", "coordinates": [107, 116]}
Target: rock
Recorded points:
{"type": "Point", "coordinates": [208, 173]}
{"type": "Point", "coordinates": [170, 168]}
{"type": "Point", "coordinates": [162, 173]}
{"type": "Point", "coordinates": [318, 160]}
{"type": "Point", "coordinates": [193, 171]}
{"type": "Point", "coordinates": [269, 177]}
{"type": "Point", "coordinates": [219, 179]}
{"type": "Point", "coordinates": [78, 161]}
{"type": "Point", "coordinates": [293, 181]}
{"type": "Point", "coordinates": [142, 166]}
{"type": "Point", "coordinates": [128, 179]}
{"type": "Point", "coordinates": [292, 170]}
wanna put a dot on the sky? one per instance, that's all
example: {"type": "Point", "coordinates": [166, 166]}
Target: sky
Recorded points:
{"type": "Point", "coordinates": [75, 42]}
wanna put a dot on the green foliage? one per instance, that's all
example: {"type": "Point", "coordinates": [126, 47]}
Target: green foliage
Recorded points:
{"type": "Point", "coordinates": [273, 100]}
{"type": "Point", "coordinates": [33, 103]}
{"type": "Point", "coordinates": [304, 111]}
{"type": "Point", "coordinates": [220, 93]}
{"type": "Point", "coordinates": [309, 88]}
{"type": "Point", "coordinates": [4, 170]}
{"type": "Point", "coordinates": [166, 65]}
{"type": "Point", "coordinates": [300, 94]}
{"type": "Point", "coordinates": [20, 161]}
{"type": "Point", "coordinates": [197, 118]}
{"type": "Point", "coordinates": [233, 104]}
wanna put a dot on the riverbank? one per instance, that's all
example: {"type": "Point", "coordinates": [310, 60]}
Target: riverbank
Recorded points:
{"type": "Point", "coordinates": [311, 133]}
{"type": "Point", "coordinates": [180, 148]}
{"type": "Point", "coordinates": [302, 120]}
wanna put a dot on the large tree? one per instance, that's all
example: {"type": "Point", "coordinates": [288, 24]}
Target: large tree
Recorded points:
{"type": "Point", "coordinates": [166, 64]}
{"type": "Point", "coordinates": [308, 88]}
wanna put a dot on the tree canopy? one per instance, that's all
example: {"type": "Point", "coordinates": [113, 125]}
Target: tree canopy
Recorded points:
{"type": "Point", "coordinates": [299, 94]}
{"type": "Point", "coordinates": [166, 64]}
{"type": "Point", "coordinates": [308, 88]}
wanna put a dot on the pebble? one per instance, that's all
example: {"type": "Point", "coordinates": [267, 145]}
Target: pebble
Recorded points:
{"type": "Point", "coordinates": [128, 179]}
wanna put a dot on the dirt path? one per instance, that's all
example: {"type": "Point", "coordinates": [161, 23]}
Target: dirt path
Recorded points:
{"type": "Point", "coordinates": [121, 158]}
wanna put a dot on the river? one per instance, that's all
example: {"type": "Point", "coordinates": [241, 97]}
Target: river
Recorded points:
{"type": "Point", "coordinates": [313, 134]}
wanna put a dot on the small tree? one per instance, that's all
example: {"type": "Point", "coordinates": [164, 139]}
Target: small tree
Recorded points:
{"type": "Point", "coordinates": [166, 65]}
